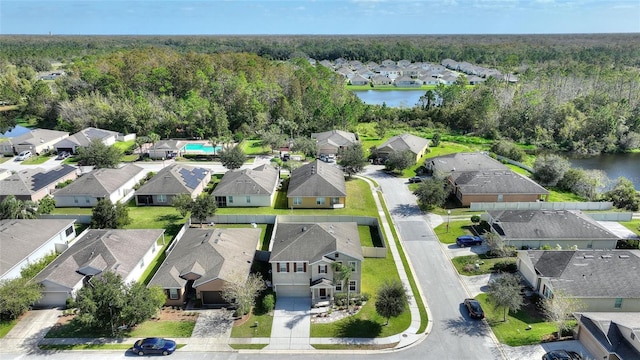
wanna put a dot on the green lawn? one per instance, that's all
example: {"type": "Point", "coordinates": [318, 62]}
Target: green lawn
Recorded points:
{"type": "Point", "coordinates": [148, 328]}
{"type": "Point", "coordinates": [248, 329]}
{"type": "Point", "coordinates": [248, 346]}
{"type": "Point", "coordinates": [633, 225]}
{"type": "Point", "coordinates": [72, 211]}
{"type": "Point", "coordinates": [369, 236]}
{"type": "Point", "coordinates": [514, 331]}
{"type": "Point", "coordinates": [125, 146]}
{"type": "Point", "coordinates": [254, 147]}
{"type": "Point", "coordinates": [456, 228]}
{"type": "Point", "coordinates": [36, 160]}
{"type": "Point", "coordinates": [6, 326]}
{"type": "Point", "coordinates": [106, 347]}
{"type": "Point", "coordinates": [485, 264]}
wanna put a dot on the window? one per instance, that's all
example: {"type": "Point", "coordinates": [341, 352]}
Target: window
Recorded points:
{"type": "Point", "coordinates": [500, 197]}
{"type": "Point", "coordinates": [230, 199]}
{"type": "Point", "coordinates": [75, 199]}
{"type": "Point", "coordinates": [335, 200]}
{"type": "Point", "coordinates": [248, 199]}
{"type": "Point", "coordinates": [618, 303]}
{"type": "Point", "coordinates": [339, 286]}
{"type": "Point", "coordinates": [142, 263]}
{"type": "Point", "coordinates": [69, 231]}
{"type": "Point", "coordinates": [173, 294]}
{"type": "Point", "coordinates": [299, 267]}
{"type": "Point", "coordinates": [322, 269]}
{"type": "Point", "coordinates": [320, 201]}
{"type": "Point", "coordinates": [297, 200]}
{"type": "Point", "coordinates": [87, 200]}
{"type": "Point", "coordinates": [353, 266]}
{"type": "Point", "coordinates": [282, 267]}
{"type": "Point", "coordinates": [162, 198]}
{"type": "Point", "coordinates": [352, 285]}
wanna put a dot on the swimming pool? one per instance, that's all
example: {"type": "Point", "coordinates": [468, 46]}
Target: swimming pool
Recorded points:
{"type": "Point", "coordinates": [201, 148]}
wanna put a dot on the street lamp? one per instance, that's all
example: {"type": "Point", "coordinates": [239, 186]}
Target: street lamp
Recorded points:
{"type": "Point", "coordinates": [448, 219]}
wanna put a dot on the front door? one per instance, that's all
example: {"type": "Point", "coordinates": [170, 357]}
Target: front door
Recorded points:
{"type": "Point", "coordinates": [323, 293]}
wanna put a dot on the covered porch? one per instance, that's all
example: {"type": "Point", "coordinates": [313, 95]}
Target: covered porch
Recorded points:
{"type": "Point", "coordinates": [322, 292]}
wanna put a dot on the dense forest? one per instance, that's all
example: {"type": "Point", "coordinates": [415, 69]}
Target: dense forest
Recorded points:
{"type": "Point", "coordinates": [576, 92]}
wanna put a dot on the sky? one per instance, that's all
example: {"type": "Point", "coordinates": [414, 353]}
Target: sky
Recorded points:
{"type": "Point", "coordinates": [317, 17]}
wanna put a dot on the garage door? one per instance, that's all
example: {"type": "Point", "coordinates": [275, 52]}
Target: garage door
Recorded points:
{"type": "Point", "coordinates": [53, 299]}
{"type": "Point", "coordinates": [293, 290]}
{"type": "Point", "coordinates": [212, 298]}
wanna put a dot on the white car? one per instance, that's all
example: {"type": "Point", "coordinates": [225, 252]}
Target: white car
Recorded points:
{"type": "Point", "coordinates": [23, 155]}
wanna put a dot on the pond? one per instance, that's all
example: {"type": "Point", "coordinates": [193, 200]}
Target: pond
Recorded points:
{"type": "Point", "coordinates": [614, 165]}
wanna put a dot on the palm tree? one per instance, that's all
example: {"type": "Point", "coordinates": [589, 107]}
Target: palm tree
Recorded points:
{"type": "Point", "coordinates": [342, 273]}
{"type": "Point", "coordinates": [153, 138]}
{"type": "Point", "coordinates": [12, 208]}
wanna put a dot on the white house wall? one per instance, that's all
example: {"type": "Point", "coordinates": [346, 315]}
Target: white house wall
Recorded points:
{"type": "Point", "coordinates": [255, 200]}
{"type": "Point", "coordinates": [143, 264]}
{"type": "Point", "coordinates": [608, 305]}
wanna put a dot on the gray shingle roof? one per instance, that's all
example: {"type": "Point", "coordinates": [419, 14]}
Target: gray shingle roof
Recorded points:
{"type": "Point", "coordinates": [317, 179]}
{"type": "Point", "coordinates": [37, 136]}
{"type": "Point", "coordinates": [100, 250]}
{"type": "Point", "coordinates": [495, 182]}
{"type": "Point", "coordinates": [465, 162]}
{"type": "Point", "coordinates": [100, 182]}
{"type": "Point", "coordinates": [591, 273]}
{"type": "Point", "coordinates": [23, 237]}
{"type": "Point", "coordinates": [29, 181]}
{"type": "Point", "coordinates": [85, 136]}
{"type": "Point", "coordinates": [548, 224]}
{"type": "Point", "coordinates": [216, 253]}
{"type": "Point", "coordinates": [605, 327]}
{"type": "Point", "coordinates": [261, 180]}
{"type": "Point", "coordinates": [174, 179]}
{"type": "Point", "coordinates": [336, 138]}
{"type": "Point", "coordinates": [403, 142]}
{"type": "Point", "coordinates": [311, 242]}
{"type": "Point", "coordinates": [169, 145]}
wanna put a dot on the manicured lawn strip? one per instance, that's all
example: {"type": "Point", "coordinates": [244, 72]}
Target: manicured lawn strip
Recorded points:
{"type": "Point", "coordinates": [365, 235]}
{"type": "Point", "coordinates": [424, 318]}
{"type": "Point", "coordinates": [633, 225]}
{"type": "Point", "coordinates": [36, 160]}
{"type": "Point", "coordinates": [130, 158]}
{"type": "Point", "coordinates": [359, 203]}
{"type": "Point", "coordinates": [456, 228]}
{"type": "Point", "coordinates": [519, 170]}
{"type": "Point", "coordinates": [353, 347]}
{"type": "Point", "coordinates": [73, 211]}
{"type": "Point", "coordinates": [455, 211]}
{"type": "Point", "coordinates": [125, 146]}
{"type": "Point", "coordinates": [254, 147]}
{"type": "Point", "coordinates": [248, 346]}
{"type": "Point", "coordinates": [514, 331]}
{"type": "Point", "coordinates": [5, 159]}
{"type": "Point", "coordinates": [6, 326]}
{"type": "Point", "coordinates": [248, 330]}
{"type": "Point", "coordinates": [148, 328]}
{"type": "Point", "coordinates": [557, 195]}
{"type": "Point", "coordinates": [107, 347]}
{"type": "Point", "coordinates": [485, 263]}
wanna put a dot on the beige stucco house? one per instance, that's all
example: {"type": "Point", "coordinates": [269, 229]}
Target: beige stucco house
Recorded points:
{"type": "Point", "coordinates": [35, 184]}
{"type": "Point", "coordinates": [317, 185]}
{"type": "Point", "coordinates": [171, 181]}
{"type": "Point", "coordinates": [247, 187]}
{"type": "Point", "coordinates": [405, 142]}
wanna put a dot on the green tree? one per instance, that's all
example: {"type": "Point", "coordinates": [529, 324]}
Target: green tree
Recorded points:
{"type": "Point", "coordinates": [435, 140]}
{"type": "Point", "coordinates": [153, 138]}
{"type": "Point", "coordinates": [107, 215]}
{"type": "Point", "coordinates": [12, 208]}
{"type": "Point", "coordinates": [584, 183]}
{"type": "Point", "coordinates": [203, 207]}
{"type": "Point", "coordinates": [504, 292]}
{"type": "Point", "coordinates": [141, 303]}
{"type": "Point", "coordinates": [341, 275]}
{"type": "Point", "coordinates": [183, 203]}
{"type": "Point", "coordinates": [99, 155]}
{"type": "Point", "coordinates": [559, 309]}
{"type": "Point", "coordinates": [272, 138]}
{"type": "Point", "coordinates": [352, 159]}
{"type": "Point", "coordinates": [400, 160]}
{"type": "Point", "coordinates": [242, 291]}
{"type": "Point", "coordinates": [232, 157]}
{"type": "Point", "coordinates": [391, 299]}
{"type": "Point", "coordinates": [46, 205]}
{"type": "Point", "coordinates": [140, 141]}
{"type": "Point", "coordinates": [432, 192]}
{"type": "Point", "coordinates": [305, 145]}
{"type": "Point", "coordinates": [16, 296]}
{"type": "Point", "coordinates": [549, 169]}
{"type": "Point", "coordinates": [623, 195]}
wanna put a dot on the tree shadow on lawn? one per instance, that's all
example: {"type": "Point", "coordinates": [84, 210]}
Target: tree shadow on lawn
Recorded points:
{"type": "Point", "coordinates": [406, 210]}
{"type": "Point", "coordinates": [358, 328]}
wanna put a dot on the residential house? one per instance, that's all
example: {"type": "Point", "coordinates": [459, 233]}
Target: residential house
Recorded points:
{"type": "Point", "coordinates": [37, 141]}
{"type": "Point", "coordinates": [346, 72]}
{"type": "Point", "coordinates": [390, 71]}
{"type": "Point", "coordinates": [381, 80]}
{"type": "Point", "coordinates": [35, 184]}
{"type": "Point", "coordinates": [495, 186]}
{"type": "Point", "coordinates": [84, 137]}
{"type": "Point", "coordinates": [167, 149]}
{"type": "Point", "coordinates": [475, 80]}
{"type": "Point", "coordinates": [24, 242]}
{"type": "Point", "coordinates": [417, 145]}
{"type": "Point", "coordinates": [327, 64]}
{"type": "Point", "coordinates": [358, 80]}
{"type": "Point", "coordinates": [610, 335]}
{"type": "Point", "coordinates": [171, 181]}
{"type": "Point", "coordinates": [334, 141]}
{"type": "Point", "coordinates": [534, 229]}
{"type": "Point", "coordinates": [388, 62]}
{"type": "Point", "coordinates": [602, 280]}
{"type": "Point", "coordinates": [449, 64]}
{"type": "Point", "coordinates": [443, 166]}
{"type": "Point", "coordinates": [113, 184]}
{"type": "Point", "coordinates": [204, 261]}
{"type": "Point", "coordinates": [317, 185]}
{"type": "Point", "coordinates": [247, 187]}
{"type": "Point", "coordinates": [127, 253]}
{"type": "Point", "coordinates": [302, 256]}
{"type": "Point", "coordinates": [405, 81]}
{"type": "Point", "coordinates": [365, 73]}
{"type": "Point", "coordinates": [372, 65]}
{"type": "Point", "coordinates": [403, 63]}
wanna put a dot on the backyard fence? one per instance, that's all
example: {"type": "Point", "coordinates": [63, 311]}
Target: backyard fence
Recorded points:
{"type": "Point", "coordinates": [541, 205]}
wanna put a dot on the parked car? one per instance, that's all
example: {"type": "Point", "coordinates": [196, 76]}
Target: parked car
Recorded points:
{"type": "Point", "coordinates": [154, 345]}
{"type": "Point", "coordinates": [468, 240]}
{"type": "Point", "coordinates": [415, 179]}
{"type": "Point", "coordinates": [475, 310]}
{"type": "Point", "coordinates": [62, 155]}
{"type": "Point", "coordinates": [561, 355]}
{"type": "Point", "coordinates": [23, 155]}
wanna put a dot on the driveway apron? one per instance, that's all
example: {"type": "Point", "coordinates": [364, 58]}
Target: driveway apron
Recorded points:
{"type": "Point", "coordinates": [291, 324]}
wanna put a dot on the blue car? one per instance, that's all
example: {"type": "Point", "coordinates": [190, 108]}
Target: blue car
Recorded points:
{"type": "Point", "coordinates": [154, 346]}
{"type": "Point", "coordinates": [468, 240]}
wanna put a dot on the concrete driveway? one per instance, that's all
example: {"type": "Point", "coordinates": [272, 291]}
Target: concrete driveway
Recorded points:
{"type": "Point", "coordinates": [536, 351]}
{"type": "Point", "coordinates": [291, 324]}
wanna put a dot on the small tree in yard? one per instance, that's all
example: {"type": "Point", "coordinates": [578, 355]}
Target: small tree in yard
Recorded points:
{"type": "Point", "coordinates": [242, 292]}
{"type": "Point", "coordinates": [232, 157]}
{"type": "Point", "coordinates": [16, 295]}
{"type": "Point", "coordinates": [432, 192]}
{"type": "Point", "coordinates": [400, 160]}
{"type": "Point", "coordinates": [99, 155]}
{"type": "Point", "coordinates": [504, 292]}
{"type": "Point", "coordinates": [353, 160]}
{"type": "Point", "coordinates": [106, 215]}
{"type": "Point", "coordinates": [182, 203]}
{"type": "Point", "coordinates": [559, 308]}
{"type": "Point", "coordinates": [203, 207]}
{"type": "Point", "coordinates": [342, 274]}
{"type": "Point", "coordinates": [549, 169]}
{"type": "Point", "coordinates": [391, 299]}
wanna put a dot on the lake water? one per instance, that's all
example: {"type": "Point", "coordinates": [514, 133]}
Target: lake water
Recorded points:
{"type": "Point", "coordinates": [392, 98]}
{"type": "Point", "coordinates": [614, 165]}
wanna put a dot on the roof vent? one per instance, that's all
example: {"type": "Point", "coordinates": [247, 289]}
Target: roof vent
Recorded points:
{"type": "Point", "coordinates": [304, 228]}
{"type": "Point", "coordinates": [588, 256]}
{"type": "Point", "coordinates": [623, 256]}
{"type": "Point", "coordinates": [605, 256]}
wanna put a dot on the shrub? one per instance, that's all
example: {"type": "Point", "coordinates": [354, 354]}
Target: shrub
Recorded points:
{"type": "Point", "coordinates": [505, 266]}
{"type": "Point", "coordinates": [340, 299]}
{"type": "Point", "coordinates": [469, 268]}
{"type": "Point", "coordinates": [70, 303]}
{"type": "Point", "coordinates": [546, 247]}
{"type": "Point", "coordinates": [365, 296]}
{"type": "Point", "coordinates": [268, 303]}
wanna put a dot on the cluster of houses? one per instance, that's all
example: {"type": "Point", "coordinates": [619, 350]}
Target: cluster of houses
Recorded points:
{"type": "Point", "coordinates": [202, 260]}
{"type": "Point", "coordinates": [405, 73]}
